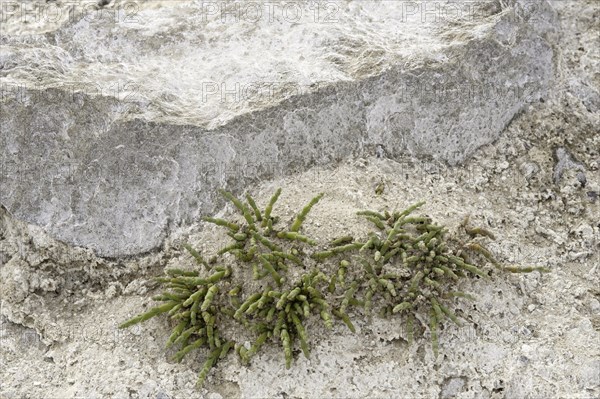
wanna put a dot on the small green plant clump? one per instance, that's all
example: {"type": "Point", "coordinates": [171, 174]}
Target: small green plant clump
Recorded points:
{"type": "Point", "coordinates": [407, 266]}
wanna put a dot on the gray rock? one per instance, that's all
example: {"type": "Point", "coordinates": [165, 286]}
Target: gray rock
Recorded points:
{"type": "Point", "coordinates": [589, 375]}
{"type": "Point", "coordinates": [564, 160]}
{"type": "Point", "coordinates": [529, 170]}
{"type": "Point", "coordinates": [452, 387]}
{"type": "Point", "coordinates": [119, 123]}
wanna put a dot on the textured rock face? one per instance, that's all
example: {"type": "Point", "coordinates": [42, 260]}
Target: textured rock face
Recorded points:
{"type": "Point", "coordinates": [119, 123]}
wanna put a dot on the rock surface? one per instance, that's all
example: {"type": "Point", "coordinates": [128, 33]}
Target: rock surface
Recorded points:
{"type": "Point", "coordinates": [529, 336]}
{"type": "Point", "coordinates": [120, 122]}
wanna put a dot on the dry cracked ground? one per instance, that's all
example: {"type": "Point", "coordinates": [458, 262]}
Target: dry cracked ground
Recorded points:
{"type": "Point", "coordinates": [527, 336]}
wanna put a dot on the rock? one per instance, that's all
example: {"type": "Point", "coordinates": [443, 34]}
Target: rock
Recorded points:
{"type": "Point", "coordinates": [452, 387]}
{"type": "Point", "coordinates": [589, 375]}
{"type": "Point", "coordinates": [594, 305]}
{"type": "Point", "coordinates": [502, 166]}
{"type": "Point", "coordinates": [529, 170]}
{"type": "Point", "coordinates": [147, 389]}
{"type": "Point", "coordinates": [564, 161]}
{"type": "Point", "coordinates": [586, 232]}
{"type": "Point", "coordinates": [590, 97]}
{"type": "Point", "coordinates": [125, 121]}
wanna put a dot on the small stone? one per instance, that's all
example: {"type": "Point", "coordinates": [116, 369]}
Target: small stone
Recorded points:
{"type": "Point", "coordinates": [595, 305]}
{"type": "Point", "coordinates": [589, 375]}
{"type": "Point", "coordinates": [524, 359]}
{"type": "Point", "coordinates": [582, 179]}
{"type": "Point", "coordinates": [531, 307]}
{"type": "Point", "coordinates": [502, 166]}
{"type": "Point", "coordinates": [565, 161]}
{"type": "Point", "coordinates": [452, 387]}
{"type": "Point", "coordinates": [529, 170]}
{"type": "Point", "coordinates": [111, 291]}
{"type": "Point", "coordinates": [147, 388]}
{"type": "Point", "coordinates": [585, 231]}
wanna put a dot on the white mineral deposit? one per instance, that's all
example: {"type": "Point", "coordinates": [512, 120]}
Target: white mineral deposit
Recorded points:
{"type": "Point", "coordinates": [120, 121]}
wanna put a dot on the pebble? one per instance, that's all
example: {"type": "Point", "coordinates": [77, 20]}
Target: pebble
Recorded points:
{"type": "Point", "coordinates": [452, 387]}
{"type": "Point", "coordinates": [147, 388]}
{"type": "Point", "coordinates": [586, 231]}
{"type": "Point", "coordinates": [589, 375]}
{"type": "Point", "coordinates": [595, 305]}
{"type": "Point", "coordinates": [502, 166]}
{"type": "Point", "coordinates": [111, 291]}
{"type": "Point", "coordinates": [529, 169]}
{"type": "Point", "coordinates": [582, 179]}
{"type": "Point", "coordinates": [565, 161]}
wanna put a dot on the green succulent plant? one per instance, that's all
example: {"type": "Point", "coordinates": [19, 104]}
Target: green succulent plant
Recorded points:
{"type": "Point", "coordinates": [280, 314]}
{"type": "Point", "coordinates": [260, 242]}
{"type": "Point", "coordinates": [410, 266]}
{"type": "Point", "coordinates": [191, 302]}
{"type": "Point", "coordinates": [407, 266]}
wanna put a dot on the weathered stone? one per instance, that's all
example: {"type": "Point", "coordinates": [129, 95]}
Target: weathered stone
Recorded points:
{"type": "Point", "coordinates": [120, 123]}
